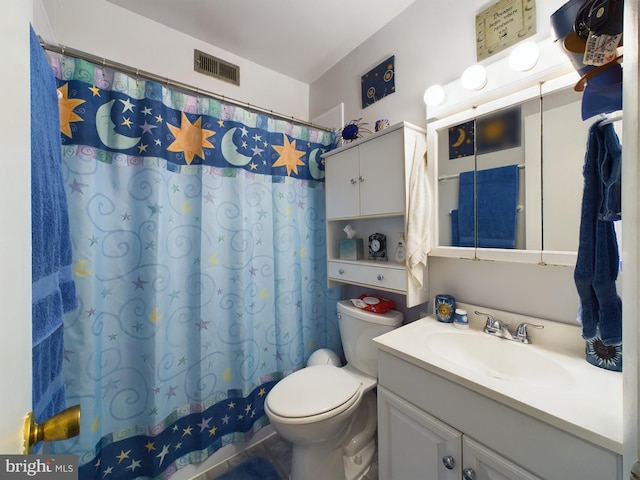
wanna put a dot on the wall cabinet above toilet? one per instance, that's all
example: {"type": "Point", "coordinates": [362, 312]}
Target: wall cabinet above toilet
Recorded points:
{"type": "Point", "coordinates": [367, 187]}
{"type": "Point", "coordinates": [367, 179]}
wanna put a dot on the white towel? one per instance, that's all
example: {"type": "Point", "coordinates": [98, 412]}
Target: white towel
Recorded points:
{"type": "Point", "coordinates": [418, 218]}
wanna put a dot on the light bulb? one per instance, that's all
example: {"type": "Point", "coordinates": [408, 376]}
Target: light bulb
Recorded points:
{"type": "Point", "coordinates": [524, 57]}
{"type": "Point", "coordinates": [474, 77]}
{"type": "Point", "coordinates": [434, 96]}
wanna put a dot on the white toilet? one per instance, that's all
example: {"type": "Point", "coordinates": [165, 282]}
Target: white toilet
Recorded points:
{"type": "Point", "coordinates": [328, 412]}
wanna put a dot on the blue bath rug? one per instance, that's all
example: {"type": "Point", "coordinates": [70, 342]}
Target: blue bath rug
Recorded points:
{"type": "Point", "coordinates": [255, 468]}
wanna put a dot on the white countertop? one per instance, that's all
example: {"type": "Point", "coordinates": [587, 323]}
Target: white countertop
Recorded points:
{"type": "Point", "coordinates": [588, 404]}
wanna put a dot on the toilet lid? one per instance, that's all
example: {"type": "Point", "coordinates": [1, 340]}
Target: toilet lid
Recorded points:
{"type": "Point", "coordinates": [311, 391]}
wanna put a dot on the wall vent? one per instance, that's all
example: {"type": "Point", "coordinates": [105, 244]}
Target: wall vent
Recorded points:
{"type": "Point", "coordinates": [215, 67]}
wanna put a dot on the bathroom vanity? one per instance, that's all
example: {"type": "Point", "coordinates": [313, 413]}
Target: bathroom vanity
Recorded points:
{"type": "Point", "coordinates": [367, 187]}
{"type": "Point", "coordinates": [463, 404]}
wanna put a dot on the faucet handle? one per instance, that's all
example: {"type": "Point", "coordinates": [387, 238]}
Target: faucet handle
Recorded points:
{"type": "Point", "coordinates": [521, 332]}
{"type": "Point", "coordinates": [492, 323]}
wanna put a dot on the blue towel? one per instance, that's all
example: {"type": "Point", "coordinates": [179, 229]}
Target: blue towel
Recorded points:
{"type": "Point", "coordinates": [597, 264]}
{"type": "Point", "coordinates": [497, 207]}
{"type": "Point", "coordinates": [466, 210]}
{"type": "Point", "coordinates": [53, 289]}
{"type": "Point", "coordinates": [610, 169]}
{"type": "Point", "coordinates": [455, 234]}
{"type": "Point", "coordinates": [497, 203]}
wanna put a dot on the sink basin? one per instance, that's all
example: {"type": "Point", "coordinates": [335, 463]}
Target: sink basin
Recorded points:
{"type": "Point", "coordinates": [498, 358]}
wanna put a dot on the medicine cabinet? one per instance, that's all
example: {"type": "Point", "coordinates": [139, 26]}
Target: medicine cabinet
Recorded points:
{"type": "Point", "coordinates": [533, 141]}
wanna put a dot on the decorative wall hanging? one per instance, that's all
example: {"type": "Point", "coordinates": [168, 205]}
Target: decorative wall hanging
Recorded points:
{"type": "Point", "coordinates": [378, 82]}
{"type": "Point", "coordinates": [352, 131]}
{"type": "Point", "coordinates": [499, 131]}
{"type": "Point", "coordinates": [461, 140]}
{"type": "Point", "coordinates": [504, 24]}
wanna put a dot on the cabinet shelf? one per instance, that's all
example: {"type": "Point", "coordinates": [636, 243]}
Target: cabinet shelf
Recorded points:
{"type": "Point", "coordinates": [372, 263]}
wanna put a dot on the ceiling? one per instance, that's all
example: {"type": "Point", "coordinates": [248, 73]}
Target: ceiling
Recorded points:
{"type": "Point", "coordinates": [301, 39]}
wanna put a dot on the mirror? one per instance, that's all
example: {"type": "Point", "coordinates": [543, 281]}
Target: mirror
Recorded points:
{"type": "Point", "coordinates": [564, 140]}
{"type": "Point", "coordinates": [508, 177]}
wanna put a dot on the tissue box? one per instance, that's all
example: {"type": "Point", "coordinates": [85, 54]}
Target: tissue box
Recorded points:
{"type": "Point", "coordinates": [351, 249]}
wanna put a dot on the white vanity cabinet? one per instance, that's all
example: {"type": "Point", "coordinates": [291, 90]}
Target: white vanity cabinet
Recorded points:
{"type": "Point", "coordinates": [415, 445]}
{"type": "Point", "coordinates": [426, 422]}
{"type": "Point", "coordinates": [367, 187]}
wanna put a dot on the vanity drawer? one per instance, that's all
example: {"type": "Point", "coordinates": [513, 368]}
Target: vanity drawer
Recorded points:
{"type": "Point", "coordinates": [383, 275]}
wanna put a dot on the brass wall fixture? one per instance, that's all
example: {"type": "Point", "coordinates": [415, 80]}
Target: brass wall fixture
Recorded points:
{"type": "Point", "coordinates": [61, 426]}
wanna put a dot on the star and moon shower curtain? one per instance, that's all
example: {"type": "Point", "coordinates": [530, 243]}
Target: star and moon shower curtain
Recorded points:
{"type": "Point", "coordinates": [200, 266]}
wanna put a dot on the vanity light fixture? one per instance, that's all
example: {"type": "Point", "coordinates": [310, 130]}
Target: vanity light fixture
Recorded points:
{"type": "Point", "coordinates": [435, 95]}
{"type": "Point", "coordinates": [474, 77]}
{"type": "Point", "coordinates": [524, 57]}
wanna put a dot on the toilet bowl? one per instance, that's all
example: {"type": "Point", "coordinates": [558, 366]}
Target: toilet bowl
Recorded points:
{"type": "Point", "coordinates": [327, 411]}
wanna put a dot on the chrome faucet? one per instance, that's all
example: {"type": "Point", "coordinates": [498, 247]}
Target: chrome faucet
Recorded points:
{"type": "Point", "coordinates": [498, 328]}
{"type": "Point", "coordinates": [522, 335]}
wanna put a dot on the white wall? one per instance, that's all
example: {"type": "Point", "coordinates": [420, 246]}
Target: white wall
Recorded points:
{"type": "Point", "coordinates": [433, 42]}
{"type": "Point", "coordinates": [109, 31]}
{"type": "Point", "coordinates": [15, 218]}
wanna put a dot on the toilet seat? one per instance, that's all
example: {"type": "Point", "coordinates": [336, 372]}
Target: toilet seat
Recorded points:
{"type": "Point", "coordinates": [313, 391]}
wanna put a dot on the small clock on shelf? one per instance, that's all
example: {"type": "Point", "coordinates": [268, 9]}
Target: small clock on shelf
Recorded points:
{"type": "Point", "coordinates": [378, 247]}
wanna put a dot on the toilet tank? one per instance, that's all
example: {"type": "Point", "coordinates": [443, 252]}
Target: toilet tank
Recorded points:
{"type": "Point", "coordinates": [358, 328]}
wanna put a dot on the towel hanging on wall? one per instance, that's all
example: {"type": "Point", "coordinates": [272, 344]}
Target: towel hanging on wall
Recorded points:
{"type": "Point", "coordinates": [53, 288]}
{"type": "Point", "coordinates": [419, 217]}
{"type": "Point", "coordinates": [597, 264]}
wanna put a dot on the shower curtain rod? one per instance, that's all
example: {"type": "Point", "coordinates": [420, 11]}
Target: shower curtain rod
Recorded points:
{"type": "Point", "coordinates": [172, 83]}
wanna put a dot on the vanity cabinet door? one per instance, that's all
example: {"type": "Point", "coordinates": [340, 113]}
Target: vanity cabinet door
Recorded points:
{"type": "Point", "coordinates": [480, 463]}
{"type": "Point", "coordinates": [413, 445]}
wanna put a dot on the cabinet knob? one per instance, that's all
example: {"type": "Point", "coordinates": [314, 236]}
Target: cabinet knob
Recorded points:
{"type": "Point", "coordinates": [380, 277]}
{"type": "Point", "coordinates": [468, 474]}
{"type": "Point", "coordinates": [361, 178]}
{"type": "Point", "coordinates": [341, 271]}
{"type": "Point", "coordinates": [448, 462]}
{"type": "Point", "coordinates": [353, 181]}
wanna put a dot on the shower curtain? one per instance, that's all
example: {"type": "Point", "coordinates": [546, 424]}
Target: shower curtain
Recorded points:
{"type": "Point", "coordinates": [200, 264]}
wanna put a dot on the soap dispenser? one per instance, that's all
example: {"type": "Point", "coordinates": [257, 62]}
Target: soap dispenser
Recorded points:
{"type": "Point", "coordinates": [400, 249]}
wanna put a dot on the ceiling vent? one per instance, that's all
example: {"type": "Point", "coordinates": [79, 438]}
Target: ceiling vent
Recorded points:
{"type": "Point", "coordinates": [215, 67]}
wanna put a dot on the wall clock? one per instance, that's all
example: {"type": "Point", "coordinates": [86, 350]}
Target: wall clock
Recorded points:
{"type": "Point", "coordinates": [378, 247]}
